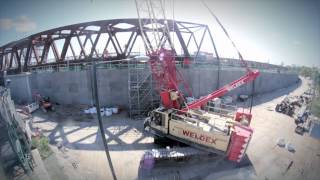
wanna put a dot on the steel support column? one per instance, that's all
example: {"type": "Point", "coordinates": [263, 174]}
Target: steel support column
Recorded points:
{"type": "Point", "coordinates": [218, 58]}
{"type": "Point", "coordinates": [27, 57]}
{"type": "Point", "coordinates": [181, 40]}
{"type": "Point", "coordinates": [65, 48]}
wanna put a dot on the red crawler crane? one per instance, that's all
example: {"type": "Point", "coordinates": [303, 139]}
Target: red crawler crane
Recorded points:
{"type": "Point", "coordinates": [177, 120]}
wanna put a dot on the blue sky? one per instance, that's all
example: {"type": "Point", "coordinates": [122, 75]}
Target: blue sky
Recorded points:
{"type": "Point", "coordinates": [272, 31]}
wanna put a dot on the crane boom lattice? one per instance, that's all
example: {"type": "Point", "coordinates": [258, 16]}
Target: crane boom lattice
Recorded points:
{"type": "Point", "coordinates": [152, 20]}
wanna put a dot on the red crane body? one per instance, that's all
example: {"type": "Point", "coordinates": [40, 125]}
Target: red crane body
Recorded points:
{"type": "Point", "coordinates": [168, 80]}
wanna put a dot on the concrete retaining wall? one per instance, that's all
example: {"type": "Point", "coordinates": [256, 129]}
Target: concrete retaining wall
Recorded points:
{"type": "Point", "coordinates": [75, 87]}
{"type": "Point", "coordinates": [20, 87]}
{"type": "Point", "coordinates": [204, 80]}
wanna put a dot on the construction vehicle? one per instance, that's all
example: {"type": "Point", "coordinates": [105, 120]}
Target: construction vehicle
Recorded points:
{"type": "Point", "coordinates": [299, 129]}
{"type": "Point", "coordinates": [285, 107]}
{"type": "Point", "coordinates": [44, 103]}
{"type": "Point", "coordinates": [188, 122]}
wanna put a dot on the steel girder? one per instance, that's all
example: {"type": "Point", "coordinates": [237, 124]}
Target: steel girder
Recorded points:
{"type": "Point", "coordinates": [18, 56]}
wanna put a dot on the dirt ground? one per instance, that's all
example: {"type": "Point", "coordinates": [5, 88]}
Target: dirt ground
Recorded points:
{"type": "Point", "coordinates": [79, 152]}
{"type": "Point", "coordinates": [271, 161]}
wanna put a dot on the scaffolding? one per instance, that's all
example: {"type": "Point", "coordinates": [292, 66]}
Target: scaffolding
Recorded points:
{"type": "Point", "coordinates": [15, 144]}
{"type": "Point", "coordinates": [142, 96]}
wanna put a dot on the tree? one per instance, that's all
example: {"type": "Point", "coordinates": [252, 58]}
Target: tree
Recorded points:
{"type": "Point", "coordinates": [305, 71]}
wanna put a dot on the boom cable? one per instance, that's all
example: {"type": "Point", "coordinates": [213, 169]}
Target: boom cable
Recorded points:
{"type": "Point", "coordinates": [234, 45]}
{"type": "Point", "coordinates": [227, 34]}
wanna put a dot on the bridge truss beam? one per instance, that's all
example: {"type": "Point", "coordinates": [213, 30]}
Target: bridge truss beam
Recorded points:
{"type": "Point", "coordinates": [79, 43]}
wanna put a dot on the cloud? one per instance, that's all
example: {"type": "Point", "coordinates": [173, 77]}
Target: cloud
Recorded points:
{"type": "Point", "coordinates": [20, 24]}
{"type": "Point", "coordinates": [6, 24]}
{"type": "Point", "coordinates": [24, 24]}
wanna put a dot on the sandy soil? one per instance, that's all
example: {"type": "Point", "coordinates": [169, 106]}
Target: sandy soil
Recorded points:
{"type": "Point", "coordinates": [271, 161]}
{"type": "Point", "coordinates": [79, 153]}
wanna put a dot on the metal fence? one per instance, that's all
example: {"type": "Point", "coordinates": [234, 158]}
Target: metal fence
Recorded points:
{"type": "Point", "coordinates": [125, 63]}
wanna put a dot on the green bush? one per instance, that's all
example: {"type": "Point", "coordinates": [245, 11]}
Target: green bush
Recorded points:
{"type": "Point", "coordinates": [42, 145]}
{"type": "Point", "coordinates": [315, 109]}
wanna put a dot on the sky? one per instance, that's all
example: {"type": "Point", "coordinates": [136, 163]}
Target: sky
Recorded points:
{"type": "Point", "coordinates": [275, 31]}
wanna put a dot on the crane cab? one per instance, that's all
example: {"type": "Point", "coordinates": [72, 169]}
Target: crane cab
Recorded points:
{"type": "Point", "coordinates": [158, 119]}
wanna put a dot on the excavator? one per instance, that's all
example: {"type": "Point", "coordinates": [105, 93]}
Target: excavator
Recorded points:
{"type": "Point", "coordinates": [189, 123]}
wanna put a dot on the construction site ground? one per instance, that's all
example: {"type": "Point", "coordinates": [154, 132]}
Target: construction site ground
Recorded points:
{"type": "Point", "coordinates": [79, 152]}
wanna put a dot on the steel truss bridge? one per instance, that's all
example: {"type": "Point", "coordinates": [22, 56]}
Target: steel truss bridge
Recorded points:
{"type": "Point", "coordinates": [104, 40]}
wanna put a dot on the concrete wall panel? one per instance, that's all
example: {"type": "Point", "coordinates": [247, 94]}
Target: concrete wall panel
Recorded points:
{"type": "Point", "coordinates": [20, 87]}
{"type": "Point", "coordinates": [75, 87]}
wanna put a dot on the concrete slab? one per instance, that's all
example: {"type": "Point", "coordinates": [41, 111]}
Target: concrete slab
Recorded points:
{"type": "Point", "coordinates": [40, 172]}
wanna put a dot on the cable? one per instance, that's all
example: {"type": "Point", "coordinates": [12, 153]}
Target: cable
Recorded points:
{"type": "Point", "coordinates": [226, 33]}
{"type": "Point", "coordinates": [234, 45]}
{"type": "Point", "coordinates": [252, 94]}
{"type": "Point", "coordinates": [174, 21]}
{"type": "Point", "coordinates": [96, 96]}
